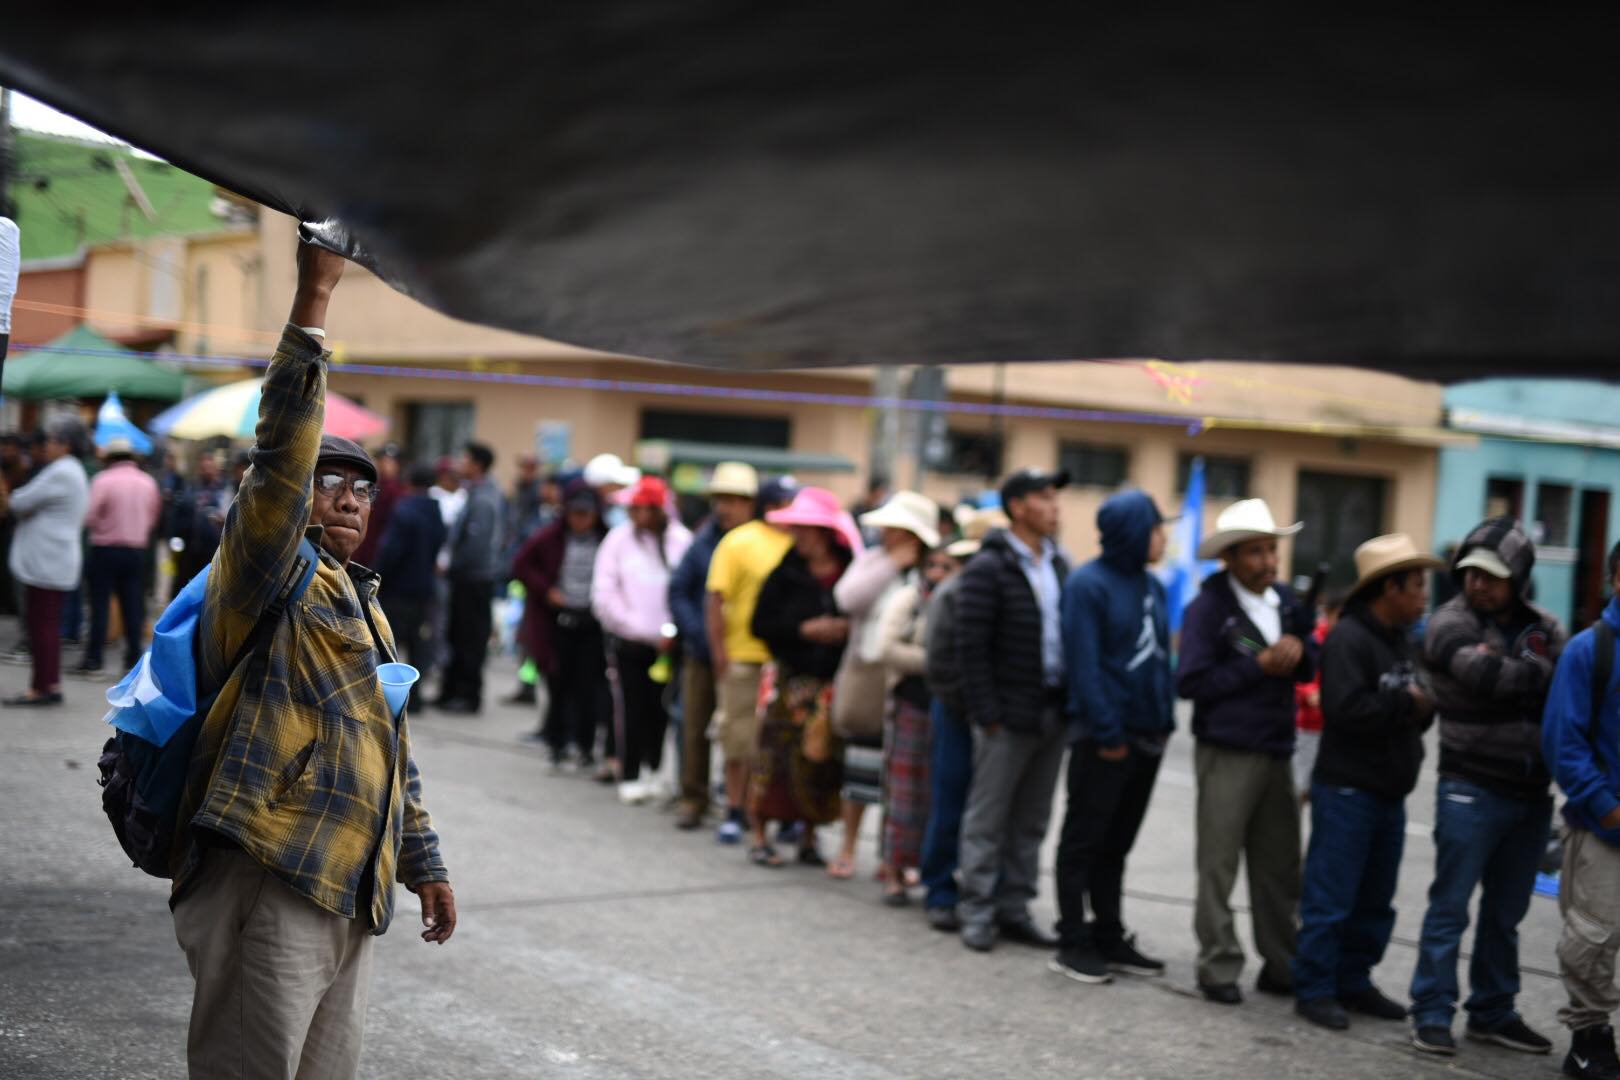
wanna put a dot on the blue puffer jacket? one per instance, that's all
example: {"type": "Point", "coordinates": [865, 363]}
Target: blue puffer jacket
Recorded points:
{"type": "Point", "coordinates": [1116, 633]}
{"type": "Point", "coordinates": [1586, 763]}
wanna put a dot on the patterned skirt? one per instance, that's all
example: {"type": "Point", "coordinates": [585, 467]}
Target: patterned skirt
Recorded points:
{"type": "Point", "coordinates": [789, 783]}
{"type": "Point", "coordinates": [905, 782]}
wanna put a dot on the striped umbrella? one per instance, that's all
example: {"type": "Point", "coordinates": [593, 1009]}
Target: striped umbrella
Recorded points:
{"type": "Point", "coordinates": [232, 410]}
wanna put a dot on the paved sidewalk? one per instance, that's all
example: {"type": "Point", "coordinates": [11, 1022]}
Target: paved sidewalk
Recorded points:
{"type": "Point", "coordinates": [597, 941]}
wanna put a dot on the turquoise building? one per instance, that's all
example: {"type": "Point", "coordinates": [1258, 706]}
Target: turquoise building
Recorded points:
{"type": "Point", "coordinates": [1548, 454]}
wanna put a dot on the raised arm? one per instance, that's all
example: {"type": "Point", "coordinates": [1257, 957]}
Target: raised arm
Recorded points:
{"type": "Point", "coordinates": [271, 510]}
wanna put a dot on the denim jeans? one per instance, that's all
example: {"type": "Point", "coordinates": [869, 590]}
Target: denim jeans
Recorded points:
{"type": "Point", "coordinates": [950, 775]}
{"type": "Point", "coordinates": [1345, 909]}
{"type": "Point", "coordinates": [1480, 838]}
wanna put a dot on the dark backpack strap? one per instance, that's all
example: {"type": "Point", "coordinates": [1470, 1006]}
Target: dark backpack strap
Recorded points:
{"type": "Point", "coordinates": [291, 591]}
{"type": "Point", "coordinates": [1602, 669]}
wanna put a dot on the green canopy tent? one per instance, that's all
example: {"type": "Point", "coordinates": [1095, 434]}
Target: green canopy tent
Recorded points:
{"type": "Point", "coordinates": [84, 364]}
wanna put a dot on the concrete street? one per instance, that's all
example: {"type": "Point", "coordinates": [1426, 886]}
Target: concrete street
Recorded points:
{"type": "Point", "coordinates": [597, 941]}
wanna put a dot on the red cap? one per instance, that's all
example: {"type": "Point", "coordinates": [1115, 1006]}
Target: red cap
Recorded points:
{"type": "Point", "coordinates": [650, 491]}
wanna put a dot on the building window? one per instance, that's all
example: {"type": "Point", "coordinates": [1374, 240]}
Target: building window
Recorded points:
{"type": "Point", "coordinates": [1224, 477]}
{"type": "Point", "coordinates": [1090, 465]}
{"type": "Point", "coordinates": [1504, 497]}
{"type": "Point", "coordinates": [725, 429]}
{"type": "Point", "coordinates": [437, 428]}
{"type": "Point", "coordinates": [1554, 502]}
{"type": "Point", "coordinates": [972, 453]}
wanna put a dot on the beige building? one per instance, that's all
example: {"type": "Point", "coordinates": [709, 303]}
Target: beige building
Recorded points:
{"type": "Point", "coordinates": [1352, 452]}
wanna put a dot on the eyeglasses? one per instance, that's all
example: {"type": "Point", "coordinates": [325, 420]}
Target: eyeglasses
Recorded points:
{"type": "Point", "coordinates": [331, 484]}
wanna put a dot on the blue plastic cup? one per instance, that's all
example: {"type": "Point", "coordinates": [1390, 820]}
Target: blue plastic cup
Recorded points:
{"type": "Point", "coordinates": [397, 680]}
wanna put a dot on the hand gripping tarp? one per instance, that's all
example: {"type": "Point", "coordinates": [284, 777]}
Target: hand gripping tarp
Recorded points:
{"type": "Point", "coordinates": [757, 185]}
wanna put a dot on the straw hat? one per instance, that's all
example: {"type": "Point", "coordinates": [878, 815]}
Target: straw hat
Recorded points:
{"type": "Point", "coordinates": [907, 510]}
{"type": "Point", "coordinates": [734, 478]}
{"type": "Point", "coordinates": [1241, 522]}
{"type": "Point", "coordinates": [975, 527]}
{"type": "Point", "coordinates": [1384, 555]}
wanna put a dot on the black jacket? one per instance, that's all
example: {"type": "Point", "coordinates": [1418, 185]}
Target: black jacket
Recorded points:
{"type": "Point", "coordinates": [998, 640]}
{"type": "Point", "coordinates": [1235, 704]}
{"type": "Point", "coordinates": [790, 596]}
{"type": "Point", "coordinates": [1371, 738]}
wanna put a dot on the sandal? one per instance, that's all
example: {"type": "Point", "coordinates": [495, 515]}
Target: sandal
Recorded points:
{"type": "Point", "coordinates": [809, 856]}
{"type": "Point", "coordinates": [764, 855]}
{"type": "Point", "coordinates": [841, 868]}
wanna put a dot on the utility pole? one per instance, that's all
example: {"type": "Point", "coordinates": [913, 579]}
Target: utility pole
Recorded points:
{"type": "Point", "coordinates": [886, 440]}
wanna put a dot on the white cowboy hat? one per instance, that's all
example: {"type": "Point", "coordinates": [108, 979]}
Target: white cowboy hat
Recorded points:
{"type": "Point", "coordinates": [916, 514]}
{"type": "Point", "coordinates": [605, 469]}
{"type": "Point", "coordinates": [734, 478]}
{"type": "Point", "coordinates": [1384, 555]}
{"type": "Point", "coordinates": [1241, 522]}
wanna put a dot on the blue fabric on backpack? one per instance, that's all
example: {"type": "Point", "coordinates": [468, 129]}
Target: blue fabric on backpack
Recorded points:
{"type": "Point", "coordinates": [160, 692]}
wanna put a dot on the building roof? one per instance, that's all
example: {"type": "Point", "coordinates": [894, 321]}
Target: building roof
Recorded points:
{"type": "Point", "coordinates": [73, 192]}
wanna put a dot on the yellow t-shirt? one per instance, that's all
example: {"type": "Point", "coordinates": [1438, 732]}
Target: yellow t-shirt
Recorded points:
{"type": "Point", "coordinates": [743, 560]}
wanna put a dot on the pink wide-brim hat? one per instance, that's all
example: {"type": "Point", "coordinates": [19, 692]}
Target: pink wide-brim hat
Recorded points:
{"type": "Point", "coordinates": [819, 508]}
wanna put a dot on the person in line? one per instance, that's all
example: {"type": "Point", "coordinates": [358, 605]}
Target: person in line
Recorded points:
{"type": "Point", "coordinates": [742, 561]}
{"type": "Point", "coordinates": [46, 555]}
{"type": "Point", "coordinates": [732, 491]}
{"type": "Point", "coordinates": [390, 490]}
{"type": "Point", "coordinates": [526, 514]}
{"type": "Point", "coordinates": [1375, 709]}
{"type": "Point", "coordinates": [1580, 730]}
{"type": "Point", "coordinates": [1308, 699]}
{"type": "Point", "coordinates": [556, 566]}
{"type": "Point", "coordinates": [407, 565]}
{"type": "Point", "coordinates": [199, 514]}
{"type": "Point", "coordinates": [950, 741]}
{"type": "Point", "coordinates": [448, 492]}
{"type": "Point", "coordinates": [630, 597]}
{"type": "Point", "coordinates": [1245, 645]}
{"type": "Point", "coordinates": [1121, 710]}
{"type": "Point", "coordinates": [1009, 644]}
{"type": "Point", "coordinates": [475, 551]}
{"type": "Point", "coordinates": [125, 505]}
{"type": "Point", "coordinates": [610, 476]}
{"type": "Point", "coordinates": [1490, 654]}
{"type": "Point", "coordinates": [902, 633]}
{"type": "Point", "coordinates": [799, 764]}
{"type": "Point", "coordinates": [279, 889]}
{"type": "Point", "coordinates": [902, 530]}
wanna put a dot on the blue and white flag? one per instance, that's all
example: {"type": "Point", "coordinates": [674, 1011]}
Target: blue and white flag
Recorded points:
{"type": "Point", "coordinates": [1184, 571]}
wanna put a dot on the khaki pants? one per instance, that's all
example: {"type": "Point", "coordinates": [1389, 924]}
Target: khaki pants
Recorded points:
{"type": "Point", "coordinates": [737, 717]}
{"type": "Point", "coordinates": [1590, 901]}
{"type": "Point", "coordinates": [1247, 807]}
{"type": "Point", "coordinates": [281, 984]}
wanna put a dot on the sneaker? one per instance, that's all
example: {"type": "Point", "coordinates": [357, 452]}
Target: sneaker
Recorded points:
{"type": "Point", "coordinates": [19, 655]}
{"type": "Point", "coordinates": [788, 833]}
{"type": "Point", "coordinates": [89, 671]}
{"type": "Point", "coordinates": [1324, 1012]}
{"type": "Point", "coordinates": [1123, 957]}
{"type": "Point", "coordinates": [1373, 1002]}
{"type": "Point", "coordinates": [1515, 1035]}
{"type": "Point", "coordinates": [634, 792]}
{"type": "Point", "coordinates": [689, 818]}
{"type": "Point", "coordinates": [1434, 1039]}
{"type": "Point", "coordinates": [729, 832]}
{"type": "Point", "coordinates": [944, 919]}
{"type": "Point", "coordinates": [1083, 964]}
{"type": "Point", "coordinates": [1591, 1055]}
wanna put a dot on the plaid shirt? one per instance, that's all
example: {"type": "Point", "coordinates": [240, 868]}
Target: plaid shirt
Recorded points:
{"type": "Point", "coordinates": [300, 763]}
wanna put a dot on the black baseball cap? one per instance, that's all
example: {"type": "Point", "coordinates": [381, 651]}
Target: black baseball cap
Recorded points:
{"type": "Point", "coordinates": [1025, 481]}
{"type": "Point", "coordinates": [335, 448]}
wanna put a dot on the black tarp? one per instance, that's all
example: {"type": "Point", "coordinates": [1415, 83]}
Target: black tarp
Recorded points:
{"type": "Point", "coordinates": [755, 185]}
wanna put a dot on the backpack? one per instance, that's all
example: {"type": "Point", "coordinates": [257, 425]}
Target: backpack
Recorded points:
{"type": "Point", "coordinates": [158, 715]}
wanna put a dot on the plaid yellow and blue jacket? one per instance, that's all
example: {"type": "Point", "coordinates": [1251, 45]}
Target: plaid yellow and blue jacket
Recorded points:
{"type": "Point", "coordinates": [299, 762]}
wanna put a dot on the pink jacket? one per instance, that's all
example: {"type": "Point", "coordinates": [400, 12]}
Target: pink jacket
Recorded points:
{"type": "Point", "coordinates": [124, 507]}
{"type": "Point", "coordinates": [630, 586]}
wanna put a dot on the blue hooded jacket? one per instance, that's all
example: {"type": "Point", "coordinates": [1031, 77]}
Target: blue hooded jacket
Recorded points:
{"type": "Point", "coordinates": [1116, 632]}
{"type": "Point", "coordinates": [1587, 768]}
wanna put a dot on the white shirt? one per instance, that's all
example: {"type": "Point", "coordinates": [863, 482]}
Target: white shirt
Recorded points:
{"type": "Point", "coordinates": [1263, 609]}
